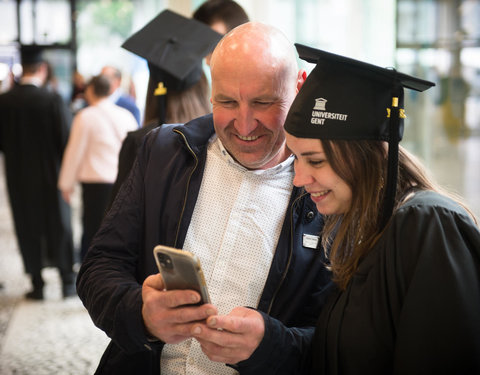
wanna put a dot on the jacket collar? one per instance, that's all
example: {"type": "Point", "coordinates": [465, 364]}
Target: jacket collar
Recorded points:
{"type": "Point", "coordinates": [197, 132]}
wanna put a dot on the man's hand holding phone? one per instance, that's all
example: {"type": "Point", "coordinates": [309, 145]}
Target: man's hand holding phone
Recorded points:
{"type": "Point", "coordinates": [170, 315]}
{"type": "Point", "coordinates": [230, 338]}
{"type": "Point", "coordinates": [174, 310]}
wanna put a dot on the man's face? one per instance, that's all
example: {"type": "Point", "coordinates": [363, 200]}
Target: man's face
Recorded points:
{"type": "Point", "coordinates": [249, 110]}
{"type": "Point", "coordinates": [110, 74]}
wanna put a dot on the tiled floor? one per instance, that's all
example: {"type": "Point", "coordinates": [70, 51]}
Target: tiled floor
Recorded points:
{"type": "Point", "coordinates": [56, 336]}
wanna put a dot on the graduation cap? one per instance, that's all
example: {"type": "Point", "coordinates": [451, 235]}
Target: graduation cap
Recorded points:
{"type": "Point", "coordinates": [347, 99]}
{"type": "Point", "coordinates": [174, 47]}
{"type": "Point", "coordinates": [31, 54]}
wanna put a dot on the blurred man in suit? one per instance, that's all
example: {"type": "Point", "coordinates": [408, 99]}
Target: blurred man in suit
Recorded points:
{"type": "Point", "coordinates": [34, 128]}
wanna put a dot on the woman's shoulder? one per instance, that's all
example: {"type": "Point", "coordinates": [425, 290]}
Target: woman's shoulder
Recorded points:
{"type": "Point", "coordinates": [427, 225]}
{"type": "Point", "coordinates": [425, 217]}
{"type": "Point", "coordinates": [431, 220]}
{"type": "Point", "coordinates": [426, 202]}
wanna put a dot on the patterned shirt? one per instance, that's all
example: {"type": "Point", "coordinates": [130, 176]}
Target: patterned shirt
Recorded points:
{"type": "Point", "coordinates": [234, 231]}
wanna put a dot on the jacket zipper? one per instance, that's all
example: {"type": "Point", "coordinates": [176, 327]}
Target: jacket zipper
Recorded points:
{"type": "Point", "coordinates": [188, 183]}
{"type": "Point", "coordinates": [284, 274]}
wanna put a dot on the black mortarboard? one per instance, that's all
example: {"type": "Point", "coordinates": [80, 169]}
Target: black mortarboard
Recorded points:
{"type": "Point", "coordinates": [174, 47]}
{"type": "Point", "coordinates": [347, 99]}
{"type": "Point", "coordinates": [31, 54]}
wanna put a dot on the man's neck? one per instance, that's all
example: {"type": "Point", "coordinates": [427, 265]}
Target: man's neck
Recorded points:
{"type": "Point", "coordinates": [32, 79]}
{"type": "Point", "coordinates": [97, 100]}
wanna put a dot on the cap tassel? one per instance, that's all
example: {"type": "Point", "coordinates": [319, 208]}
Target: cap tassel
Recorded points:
{"type": "Point", "coordinates": [392, 169]}
{"type": "Point", "coordinates": [162, 107]}
{"type": "Point", "coordinates": [160, 90]}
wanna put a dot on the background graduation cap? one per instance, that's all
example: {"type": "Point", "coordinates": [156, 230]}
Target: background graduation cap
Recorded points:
{"type": "Point", "coordinates": [31, 54]}
{"type": "Point", "coordinates": [174, 47]}
{"type": "Point", "coordinates": [347, 99]}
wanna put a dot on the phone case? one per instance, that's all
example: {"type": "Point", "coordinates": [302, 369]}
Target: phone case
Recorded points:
{"type": "Point", "coordinates": [181, 269]}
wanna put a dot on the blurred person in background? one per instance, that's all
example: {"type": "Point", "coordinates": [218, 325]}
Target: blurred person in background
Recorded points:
{"type": "Point", "coordinates": [221, 15]}
{"type": "Point", "coordinates": [51, 82]}
{"type": "Point", "coordinates": [6, 78]}
{"type": "Point", "coordinates": [116, 95]}
{"type": "Point", "coordinates": [34, 128]}
{"type": "Point", "coordinates": [77, 101]}
{"type": "Point", "coordinates": [91, 155]}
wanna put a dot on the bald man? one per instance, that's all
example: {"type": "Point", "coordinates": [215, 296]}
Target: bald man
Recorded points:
{"type": "Point", "coordinates": [219, 186]}
{"type": "Point", "coordinates": [114, 75]}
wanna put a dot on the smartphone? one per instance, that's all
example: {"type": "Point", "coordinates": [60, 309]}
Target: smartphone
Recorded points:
{"type": "Point", "coordinates": [181, 269]}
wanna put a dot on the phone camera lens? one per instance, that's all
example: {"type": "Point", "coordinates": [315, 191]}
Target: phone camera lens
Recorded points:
{"type": "Point", "coordinates": [165, 261]}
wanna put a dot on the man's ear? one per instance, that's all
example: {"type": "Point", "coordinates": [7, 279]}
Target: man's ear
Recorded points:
{"type": "Point", "coordinates": [43, 72]}
{"type": "Point", "coordinates": [302, 76]}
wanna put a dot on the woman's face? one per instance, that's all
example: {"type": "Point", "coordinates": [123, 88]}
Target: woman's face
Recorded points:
{"type": "Point", "coordinates": [327, 190]}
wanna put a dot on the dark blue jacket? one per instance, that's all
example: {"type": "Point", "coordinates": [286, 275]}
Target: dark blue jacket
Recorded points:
{"type": "Point", "coordinates": [155, 206]}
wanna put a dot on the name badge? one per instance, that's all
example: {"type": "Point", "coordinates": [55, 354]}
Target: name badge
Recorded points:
{"type": "Point", "coordinates": [310, 241]}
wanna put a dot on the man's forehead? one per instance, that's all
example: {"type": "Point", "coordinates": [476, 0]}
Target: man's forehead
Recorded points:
{"type": "Point", "coordinates": [242, 49]}
{"type": "Point", "coordinates": [262, 87]}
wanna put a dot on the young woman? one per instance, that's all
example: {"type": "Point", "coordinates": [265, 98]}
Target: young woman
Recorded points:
{"type": "Point", "coordinates": [405, 256]}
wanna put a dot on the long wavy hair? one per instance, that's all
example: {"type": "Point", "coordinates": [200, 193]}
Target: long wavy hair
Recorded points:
{"type": "Point", "coordinates": [363, 165]}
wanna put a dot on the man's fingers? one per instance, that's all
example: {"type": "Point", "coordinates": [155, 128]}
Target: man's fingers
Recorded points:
{"type": "Point", "coordinates": [222, 346]}
{"type": "Point", "coordinates": [229, 323]}
{"type": "Point", "coordinates": [179, 332]}
{"type": "Point", "coordinates": [231, 338]}
{"type": "Point", "coordinates": [155, 282]}
{"type": "Point", "coordinates": [193, 314]}
{"type": "Point", "coordinates": [170, 315]}
{"type": "Point", "coordinates": [240, 320]}
{"type": "Point", "coordinates": [172, 298]}
{"type": "Point", "coordinates": [218, 353]}
{"type": "Point", "coordinates": [217, 337]}
{"type": "Point", "coordinates": [176, 298]}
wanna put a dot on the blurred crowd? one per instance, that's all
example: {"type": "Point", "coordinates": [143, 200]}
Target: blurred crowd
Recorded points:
{"type": "Point", "coordinates": [82, 138]}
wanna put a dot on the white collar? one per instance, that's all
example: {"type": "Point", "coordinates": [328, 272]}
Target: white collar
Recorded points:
{"type": "Point", "coordinates": [286, 164]}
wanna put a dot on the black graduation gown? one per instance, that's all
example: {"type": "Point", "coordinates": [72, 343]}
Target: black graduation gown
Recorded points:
{"type": "Point", "coordinates": [34, 128]}
{"type": "Point", "coordinates": [413, 307]}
